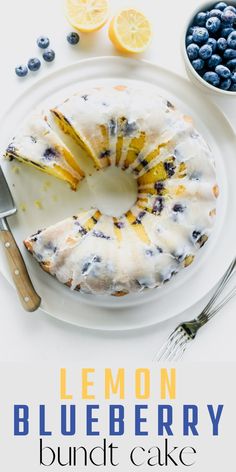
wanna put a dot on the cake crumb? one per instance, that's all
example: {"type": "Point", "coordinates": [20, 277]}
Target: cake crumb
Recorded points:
{"type": "Point", "coordinates": [16, 169]}
{"type": "Point", "coordinates": [23, 207]}
{"type": "Point", "coordinates": [46, 185]}
{"type": "Point", "coordinates": [38, 204]}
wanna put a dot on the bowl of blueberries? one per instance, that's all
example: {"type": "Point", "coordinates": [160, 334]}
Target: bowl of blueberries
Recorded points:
{"type": "Point", "coordinates": [210, 47]}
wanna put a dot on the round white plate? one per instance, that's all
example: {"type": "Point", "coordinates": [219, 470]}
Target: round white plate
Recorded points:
{"type": "Point", "coordinates": [29, 186]}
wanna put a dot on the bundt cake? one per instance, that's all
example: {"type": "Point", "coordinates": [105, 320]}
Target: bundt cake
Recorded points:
{"type": "Point", "coordinates": [133, 128]}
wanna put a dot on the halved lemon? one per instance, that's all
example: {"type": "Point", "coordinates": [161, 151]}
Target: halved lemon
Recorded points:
{"type": "Point", "coordinates": [130, 31]}
{"type": "Point", "coordinates": [87, 15]}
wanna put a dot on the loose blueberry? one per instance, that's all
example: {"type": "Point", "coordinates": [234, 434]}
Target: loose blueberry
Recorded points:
{"type": "Point", "coordinates": [231, 65]}
{"type": "Point", "coordinates": [233, 77]}
{"type": "Point", "coordinates": [73, 38]}
{"type": "Point", "coordinates": [228, 17]}
{"type": "Point", "coordinates": [229, 54]}
{"type": "Point", "coordinates": [34, 64]}
{"type": "Point", "coordinates": [43, 42]}
{"type": "Point", "coordinates": [201, 18]}
{"type": "Point", "coordinates": [21, 71]}
{"type": "Point", "coordinates": [223, 72]}
{"type": "Point", "coordinates": [221, 6]}
{"type": "Point", "coordinates": [198, 64]}
{"type": "Point", "coordinates": [205, 52]}
{"type": "Point", "coordinates": [232, 40]}
{"type": "Point", "coordinates": [200, 35]}
{"type": "Point", "coordinates": [212, 78]}
{"type": "Point", "coordinates": [216, 13]}
{"type": "Point", "coordinates": [225, 32]}
{"type": "Point", "coordinates": [222, 44]}
{"type": "Point", "coordinates": [49, 55]}
{"type": "Point", "coordinates": [189, 39]}
{"type": "Point", "coordinates": [233, 88]}
{"type": "Point", "coordinates": [225, 84]}
{"type": "Point", "coordinates": [193, 51]}
{"type": "Point", "coordinates": [213, 24]}
{"type": "Point", "coordinates": [213, 43]}
{"type": "Point", "coordinates": [214, 61]}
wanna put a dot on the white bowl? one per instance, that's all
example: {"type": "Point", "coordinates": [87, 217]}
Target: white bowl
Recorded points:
{"type": "Point", "coordinates": [193, 75]}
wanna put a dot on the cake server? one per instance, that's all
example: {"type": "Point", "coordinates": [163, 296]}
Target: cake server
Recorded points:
{"type": "Point", "coordinates": [30, 300]}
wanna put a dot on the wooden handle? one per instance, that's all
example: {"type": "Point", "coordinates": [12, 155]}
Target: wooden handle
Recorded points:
{"type": "Point", "coordinates": [28, 297]}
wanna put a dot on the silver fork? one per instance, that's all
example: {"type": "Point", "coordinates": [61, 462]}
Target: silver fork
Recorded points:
{"type": "Point", "coordinates": [176, 344]}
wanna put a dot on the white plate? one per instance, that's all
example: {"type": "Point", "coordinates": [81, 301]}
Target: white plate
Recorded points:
{"type": "Point", "coordinates": [58, 201]}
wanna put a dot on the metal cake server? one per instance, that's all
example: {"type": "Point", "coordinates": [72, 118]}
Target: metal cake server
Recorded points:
{"type": "Point", "coordinates": [30, 300]}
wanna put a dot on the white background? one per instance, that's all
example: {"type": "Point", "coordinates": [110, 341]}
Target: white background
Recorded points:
{"type": "Point", "coordinates": [37, 337]}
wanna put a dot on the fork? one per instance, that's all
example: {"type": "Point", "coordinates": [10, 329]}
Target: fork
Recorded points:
{"type": "Point", "coordinates": [175, 346]}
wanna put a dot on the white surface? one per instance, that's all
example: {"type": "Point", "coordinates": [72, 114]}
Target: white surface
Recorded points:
{"type": "Point", "coordinates": [37, 336]}
{"type": "Point", "coordinates": [182, 291]}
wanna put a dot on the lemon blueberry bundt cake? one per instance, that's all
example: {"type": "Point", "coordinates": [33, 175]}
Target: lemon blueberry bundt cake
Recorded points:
{"type": "Point", "coordinates": [133, 128]}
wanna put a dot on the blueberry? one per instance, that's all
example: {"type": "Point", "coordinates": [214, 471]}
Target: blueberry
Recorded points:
{"type": "Point", "coordinates": [205, 52]}
{"type": "Point", "coordinates": [201, 18]}
{"type": "Point", "coordinates": [231, 8]}
{"type": "Point", "coordinates": [229, 54]}
{"type": "Point", "coordinates": [228, 17]}
{"type": "Point", "coordinates": [43, 42]}
{"type": "Point", "coordinates": [223, 72]}
{"type": "Point", "coordinates": [34, 64]}
{"type": "Point", "coordinates": [213, 43]}
{"type": "Point", "coordinates": [225, 84]}
{"type": "Point", "coordinates": [225, 32]}
{"type": "Point", "coordinates": [21, 71]}
{"type": "Point", "coordinates": [178, 208]}
{"type": "Point", "coordinates": [222, 44]}
{"type": "Point", "coordinates": [49, 55]}
{"type": "Point", "coordinates": [212, 78]}
{"type": "Point", "coordinates": [233, 77]}
{"type": "Point", "coordinates": [196, 234]}
{"type": "Point", "coordinates": [221, 6]}
{"type": "Point", "coordinates": [233, 88]}
{"type": "Point", "coordinates": [232, 40]}
{"type": "Point", "coordinates": [213, 24]}
{"type": "Point", "coordinates": [216, 13]}
{"type": "Point", "coordinates": [189, 39]}
{"type": "Point", "coordinates": [73, 38]}
{"type": "Point", "coordinates": [193, 51]}
{"type": "Point", "coordinates": [232, 65]}
{"type": "Point", "coordinates": [198, 64]}
{"type": "Point", "coordinates": [200, 35]}
{"type": "Point", "coordinates": [214, 61]}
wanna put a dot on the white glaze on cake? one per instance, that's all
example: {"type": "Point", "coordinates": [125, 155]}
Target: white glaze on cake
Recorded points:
{"type": "Point", "coordinates": [177, 191]}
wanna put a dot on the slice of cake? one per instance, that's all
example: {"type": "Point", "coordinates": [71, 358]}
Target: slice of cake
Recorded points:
{"type": "Point", "coordinates": [38, 145]}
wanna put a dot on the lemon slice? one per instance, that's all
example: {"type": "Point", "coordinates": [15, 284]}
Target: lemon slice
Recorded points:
{"type": "Point", "coordinates": [87, 15]}
{"type": "Point", "coordinates": [130, 31]}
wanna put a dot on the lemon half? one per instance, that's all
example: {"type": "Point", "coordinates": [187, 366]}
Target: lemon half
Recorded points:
{"type": "Point", "coordinates": [87, 15]}
{"type": "Point", "coordinates": [130, 31]}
